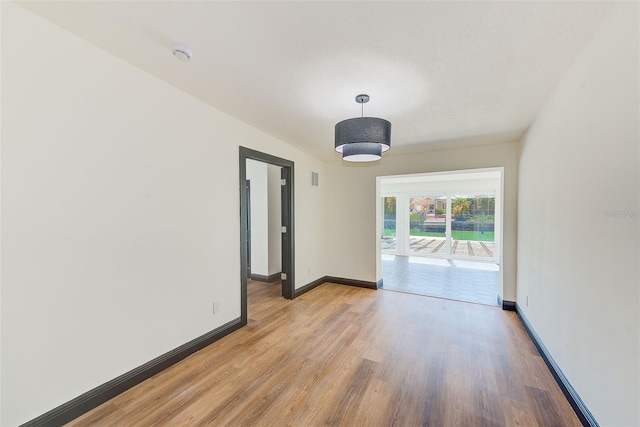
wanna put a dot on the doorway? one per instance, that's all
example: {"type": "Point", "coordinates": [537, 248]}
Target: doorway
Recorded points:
{"type": "Point", "coordinates": [441, 234]}
{"type": "Point", "coordinates": [286, 224]}
{"type": "Point", "coordinates": [264, 220]}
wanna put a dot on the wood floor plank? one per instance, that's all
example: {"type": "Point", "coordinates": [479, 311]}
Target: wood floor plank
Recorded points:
{"type": "Point", "coordinates": [347, 356]}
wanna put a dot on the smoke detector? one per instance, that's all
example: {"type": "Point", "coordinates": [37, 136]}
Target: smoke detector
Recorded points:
{"type": "Point", "coordinates": [181, 51]}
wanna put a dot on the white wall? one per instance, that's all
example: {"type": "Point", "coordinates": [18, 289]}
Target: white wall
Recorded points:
{"type": "Point", "coordinates": [351, 207]}
{"type": "Point", "coordinates": [578, 223]}
{"type": "Point", "coordinates": [275, 219]}
{"type": "Point", "coordinates": [257, 174]}
{"type": "Point", "coordinates": [120, 220]}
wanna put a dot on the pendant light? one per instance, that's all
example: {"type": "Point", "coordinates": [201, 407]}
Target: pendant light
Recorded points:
{"type": "Point", "coordinates": [362, 139]}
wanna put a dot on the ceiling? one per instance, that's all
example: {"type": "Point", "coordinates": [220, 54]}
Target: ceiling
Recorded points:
{"type": "Point", "coordinates": [446, 74]}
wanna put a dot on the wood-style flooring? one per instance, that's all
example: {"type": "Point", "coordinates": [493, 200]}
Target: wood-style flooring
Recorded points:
{"type": "Point", "coordinates": [347, 356]}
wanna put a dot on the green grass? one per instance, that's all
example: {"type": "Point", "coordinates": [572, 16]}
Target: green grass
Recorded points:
{"type": "Point", "coordinates": [487, 236]}
{"type": "Point", "coordinates": [417, 232]}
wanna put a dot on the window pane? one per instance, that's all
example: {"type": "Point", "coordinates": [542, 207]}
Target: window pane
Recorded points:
{"type": "Point", "coordinates": [427, 224]}
{"type": "Point", "coordinates": [472, 225]}
{"type": "Point", "coordinates": [388, 243]}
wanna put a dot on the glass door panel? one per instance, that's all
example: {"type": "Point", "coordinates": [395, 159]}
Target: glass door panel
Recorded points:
{"type": "Point", "coordinates": [427, 225]}
{"type": "Point", "coordinates": [388, 243]}
{"type": "Point", "coordinates": [472, 226]}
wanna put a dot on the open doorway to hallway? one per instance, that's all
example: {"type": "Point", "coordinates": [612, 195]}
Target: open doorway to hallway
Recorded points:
{"type": "Point", "coordinates": [285, 229]}
{"type": "Point", "coordinates": [441, 234]}
{"type": "Point", "coordinates": [264, 238]}
{"type": "Point", "coordinates": [264, 246]}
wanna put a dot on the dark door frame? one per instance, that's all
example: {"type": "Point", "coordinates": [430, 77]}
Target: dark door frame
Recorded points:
{"type": "Point", "coordinates": [288, 240]}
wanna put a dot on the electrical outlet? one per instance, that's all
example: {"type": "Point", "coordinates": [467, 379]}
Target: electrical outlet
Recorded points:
{"type": "Point", "coordinates": [308, 271]}
{"type": "Point", "coordinates": [216, 307]}
{"type": "Point", "coordinates": [527, 302]}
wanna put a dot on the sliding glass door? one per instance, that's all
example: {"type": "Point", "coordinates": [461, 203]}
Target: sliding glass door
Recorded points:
{"type": "Point", "coordinates": [445, 224]}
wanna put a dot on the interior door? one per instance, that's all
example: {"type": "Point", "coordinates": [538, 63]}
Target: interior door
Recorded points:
{"type": "Point", "coordinates": [248, 225]}
{"type": "Point", "coordinates": [286, 232]}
